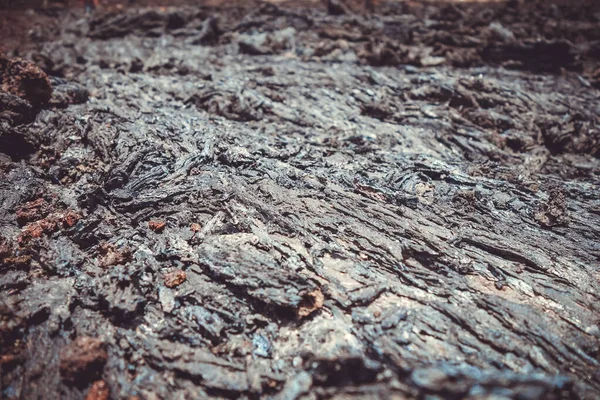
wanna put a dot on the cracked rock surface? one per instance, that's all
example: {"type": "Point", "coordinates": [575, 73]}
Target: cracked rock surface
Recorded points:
{"type": "Point", "coordinates": [270, 201]}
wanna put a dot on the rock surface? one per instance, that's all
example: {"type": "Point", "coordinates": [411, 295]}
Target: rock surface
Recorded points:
{"type": "Point", "coordinates": [399, 205]}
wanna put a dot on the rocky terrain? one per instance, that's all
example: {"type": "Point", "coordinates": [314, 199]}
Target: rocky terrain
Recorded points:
{"type": "Point", "coordinates": [277, 200]}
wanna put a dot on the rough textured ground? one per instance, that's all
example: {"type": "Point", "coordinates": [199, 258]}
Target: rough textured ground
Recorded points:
{"type": "Point", "coordinates": [268, 201]}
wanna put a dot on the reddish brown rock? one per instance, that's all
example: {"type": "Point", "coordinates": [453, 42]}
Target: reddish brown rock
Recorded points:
{"type": "Point", "coordinates": [195, 227]}
{"type": "Point", "coordinates": [33, 211]}
{"type": "Point", "coordinates": [98, 391]}
{"type": "Point", "coordinates": [175, 278]}
{"type": "Point", "coordinates": [51, 223]}
{"type": "Point", "coordinates": [70, 219]}
{"type": "Point", "coordinates": [24, 79]}
{"type": "Point", "coordinates": [157, 226]}
{"type": "Point", "coordinates": [33, 231]}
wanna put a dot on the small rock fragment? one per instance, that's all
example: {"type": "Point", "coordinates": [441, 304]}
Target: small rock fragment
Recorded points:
{"type": "Point", "coordinates": [553, 212]}
{"type": "Point", "coordinates": [157, 226]}
{"type": "Point", "coordinates": [70, 219]}
{"type": "Point", "coordinates": [175, 278]}
{"type": "Point", "coordinates": [262, 346]}
{"type": "Point", "coordinates": [167, 299]}
{"type": "Point", "coordinates": [501, 32]}
{"type": "Point", "coordinates": [98, 391]}
{"type": "Point", "coordinates": [112, 256]}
